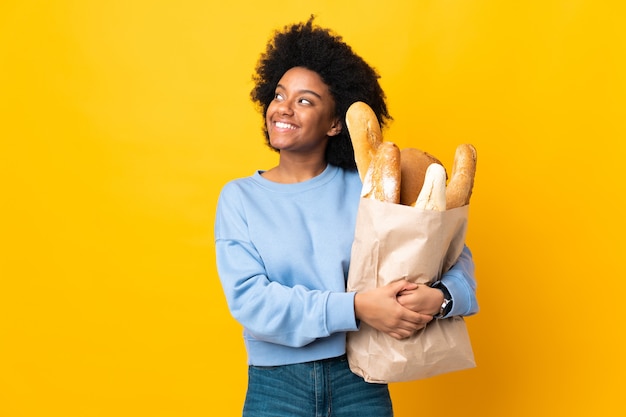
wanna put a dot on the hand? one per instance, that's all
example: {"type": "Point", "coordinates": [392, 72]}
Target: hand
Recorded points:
{"type": "Point", "coordinates": [422, 299]}
{"type": "Point", "coordinates": [379, 308]}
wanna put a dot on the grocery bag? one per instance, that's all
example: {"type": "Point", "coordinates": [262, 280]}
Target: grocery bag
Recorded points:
{"type": "Point", "coordinates": [394, 241]}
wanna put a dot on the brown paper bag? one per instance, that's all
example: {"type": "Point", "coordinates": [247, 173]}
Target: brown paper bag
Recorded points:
{"type": "Point", "coordinates": [394, 241]}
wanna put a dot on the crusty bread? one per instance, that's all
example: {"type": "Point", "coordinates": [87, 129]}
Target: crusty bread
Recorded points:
{"type": "Point", "coordinates": [432, 196]}
{"type": "Point", "coordinates": [365, 133]}
{"type": "Point", "coordinates": [459, 189]}
{"type": "Point", "coordinates": [383, 168]}
{"type": "Point", "coordinates": [382, 179]}
{"type": "Point", "coordinates": [413, 165]}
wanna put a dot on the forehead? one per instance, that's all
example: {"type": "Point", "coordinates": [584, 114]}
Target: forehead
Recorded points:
{"type": "Point", "coordinates": [299, 78]}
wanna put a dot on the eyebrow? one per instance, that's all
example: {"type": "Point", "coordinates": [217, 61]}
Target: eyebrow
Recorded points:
{"type": "Point", "coordinates": [302, 91]}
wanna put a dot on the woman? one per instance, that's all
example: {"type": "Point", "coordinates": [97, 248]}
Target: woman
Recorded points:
{"type": "Point", "coordinates": [284, 235]}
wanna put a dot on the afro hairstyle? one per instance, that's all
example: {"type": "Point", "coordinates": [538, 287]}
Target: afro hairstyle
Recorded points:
{"type": "Point", "coordinates": [347, 75]}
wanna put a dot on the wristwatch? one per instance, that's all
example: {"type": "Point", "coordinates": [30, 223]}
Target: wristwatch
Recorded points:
{"type": "Point", "coordinates": [446, 306]}
{"type": "Point", "coordinates": [443, 308]}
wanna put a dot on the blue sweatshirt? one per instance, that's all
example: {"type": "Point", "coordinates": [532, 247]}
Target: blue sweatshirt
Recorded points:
{"type": "Point", "coordinates": [283, 252]}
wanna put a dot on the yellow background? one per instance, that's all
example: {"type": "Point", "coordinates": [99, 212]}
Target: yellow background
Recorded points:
{"type": "Point", "coordinates": [120, 121]}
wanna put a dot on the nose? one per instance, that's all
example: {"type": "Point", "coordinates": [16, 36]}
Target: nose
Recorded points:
{"type": "Point", "coordinates": [285, 107]}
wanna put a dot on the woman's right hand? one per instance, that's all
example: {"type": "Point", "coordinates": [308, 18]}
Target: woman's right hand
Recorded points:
{"type": "Point", "coordinates": [380, 309]}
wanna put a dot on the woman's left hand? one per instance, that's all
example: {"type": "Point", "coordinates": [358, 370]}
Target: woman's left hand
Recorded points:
{"type": "Point", "coordinates": [423, 299]}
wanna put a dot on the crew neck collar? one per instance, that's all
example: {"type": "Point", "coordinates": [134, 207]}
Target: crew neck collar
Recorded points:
{"type": "Point", "coordinates": [329, 172]}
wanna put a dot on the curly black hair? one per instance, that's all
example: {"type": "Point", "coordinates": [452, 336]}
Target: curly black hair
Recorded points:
{"type": "Point", "coordinates": [347, 75]}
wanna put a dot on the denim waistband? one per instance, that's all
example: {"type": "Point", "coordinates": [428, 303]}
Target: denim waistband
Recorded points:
{"type": "Point", "coordinates": [339, 358]}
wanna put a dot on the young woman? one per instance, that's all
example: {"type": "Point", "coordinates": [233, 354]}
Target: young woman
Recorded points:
{"type": "Point", "coordinates": [284, 236]}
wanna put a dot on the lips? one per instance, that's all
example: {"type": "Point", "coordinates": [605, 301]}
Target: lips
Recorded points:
{"type": "Point", "coordinates": [286, 126]}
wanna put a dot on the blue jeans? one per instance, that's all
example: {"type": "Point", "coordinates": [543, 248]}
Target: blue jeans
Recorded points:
{"type": "Point", "coordinates": [314, 389]}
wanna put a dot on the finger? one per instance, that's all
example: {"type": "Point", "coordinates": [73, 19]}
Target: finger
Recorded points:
{"type": "Point", "coordinates": [416, 324]}
{"type": "Point", "coordinates": [406, 292]}
{"type": "Point", "coordinates": [396, 335]}
{"type": "Point", "coordinates": [401, 285]}
{"type": "Point", "coordinates": [414, 328]}
{"type": "Point", "coordinates": [412, 316]}
{"type": "Point", "coordinates": [422, 318]}
{"type": "Point", "coordinates": [401, 335]}
{"type": "Point", "coordinates": [409, 327]}
{"type": "Point", "coordinates": [404, 333]}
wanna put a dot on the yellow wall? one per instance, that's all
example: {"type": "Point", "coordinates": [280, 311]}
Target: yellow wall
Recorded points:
{"type": "Point", "coordinates": [120, 120]}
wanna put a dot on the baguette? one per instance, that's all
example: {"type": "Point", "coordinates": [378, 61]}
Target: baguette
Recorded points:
{"type": "Point", "coordinates": [461, 182]}
{"type": "Point", "coordinates": [432, 196]}
{"type": "Point", "coordinates": [365, 134]}
{"type": "Point", "coordinates": [413, 165]}
{"type": "Point", "coordinates": [382, 179]}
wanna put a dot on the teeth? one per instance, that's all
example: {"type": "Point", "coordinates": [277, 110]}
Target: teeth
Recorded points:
{"type": "Point", "coordinates": [282, 125]}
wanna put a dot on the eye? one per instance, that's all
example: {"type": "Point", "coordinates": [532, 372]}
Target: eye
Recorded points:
{"type": "Point", "coordinates": [278, 97]}
{"type": "Point", "coordinates": [305, 101]}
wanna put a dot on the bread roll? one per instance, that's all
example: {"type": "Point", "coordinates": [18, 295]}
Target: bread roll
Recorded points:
{"type": "Point", "coordinates": [461, 183]}
{"type": "Point", "coordinates": [432, 196]}
{"type": "Point", "coordinates": [413, 165]}
{"type": "Point", "coordinates": [365, 133]}
{"type": "Point", "coordinates": [382, 179]}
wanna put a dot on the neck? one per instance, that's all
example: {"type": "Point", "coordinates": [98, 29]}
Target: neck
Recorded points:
{"type": "Point", "coordinates": [290, 172]}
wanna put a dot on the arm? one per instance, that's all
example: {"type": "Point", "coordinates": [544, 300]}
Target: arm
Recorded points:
{"type": "Point", "coordinates": [459, 281]}
{"type": "Point", "coordinates": [295, 316]}
{"type": "Point", "coordinates": [291, 315]}
{"type": "Point", "coordinates": [380, 309]}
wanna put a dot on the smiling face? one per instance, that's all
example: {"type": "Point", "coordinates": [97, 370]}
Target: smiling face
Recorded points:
{"type": "Point", "coordinates": [301, 116]}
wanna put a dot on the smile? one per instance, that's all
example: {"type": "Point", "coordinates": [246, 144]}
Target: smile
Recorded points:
{"type": "Point", "coordinates": [282, 125]}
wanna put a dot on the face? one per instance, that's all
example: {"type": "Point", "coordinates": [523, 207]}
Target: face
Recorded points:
{"type": "Point", "coordinates": [301, 116]}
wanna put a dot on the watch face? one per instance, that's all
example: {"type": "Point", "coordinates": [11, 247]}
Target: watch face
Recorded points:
{"type": "Point", "coordinates": [443, 307]}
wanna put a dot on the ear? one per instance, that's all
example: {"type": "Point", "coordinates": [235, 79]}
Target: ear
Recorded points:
{"type": "Point", "coordinates": [335, 128]}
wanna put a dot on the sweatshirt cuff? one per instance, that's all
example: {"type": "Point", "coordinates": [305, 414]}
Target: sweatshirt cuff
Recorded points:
{"type": "Point", "coordinates": [461, 302]}
{"type": "Point", "coordinates": [340, 312]}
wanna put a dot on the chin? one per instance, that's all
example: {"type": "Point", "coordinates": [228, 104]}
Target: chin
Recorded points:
{"type": "Point", "coordinates": [276, 144]}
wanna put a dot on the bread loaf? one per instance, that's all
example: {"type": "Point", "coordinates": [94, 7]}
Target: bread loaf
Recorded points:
{"type": "Point", "coordinates": [365, 133]}
{"type": "Point", "coordinates": [382, 179]}
{"type": "Point", "coordinates": [432, 196]}
{"type": "Point", "coordinates": [459, 189]}
{"type": "Point", "coordinates": [395, 176]}
{"type": "Point", "coordinates": [413, 165]}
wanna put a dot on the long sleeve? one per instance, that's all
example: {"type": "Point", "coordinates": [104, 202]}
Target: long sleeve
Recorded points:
{"type": "Point", "coordinates": [282, 257]}
{"type": "Point", "coordinates": [273, 312]}
{"type": "Point", "coordinates": [461, 283]}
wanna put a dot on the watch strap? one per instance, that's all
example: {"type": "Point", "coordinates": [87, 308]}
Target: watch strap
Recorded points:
{"type": "Point", "coordinates": [446, 305]}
